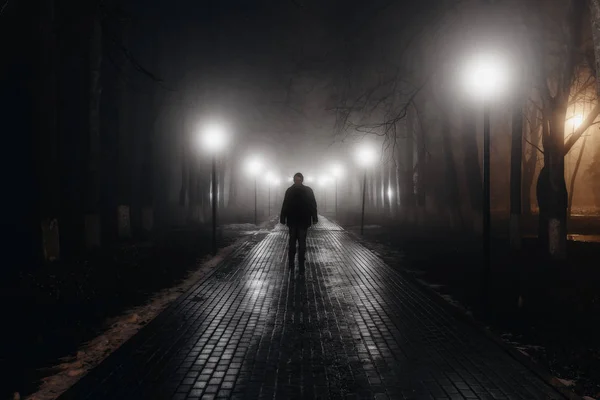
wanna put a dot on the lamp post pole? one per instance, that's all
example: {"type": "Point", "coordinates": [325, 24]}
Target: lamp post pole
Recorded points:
{"type": "Point", "coordinates": [214, 204]}
{"type": "Point", "coordinates": [336, 197]}
{"type": "Point", "coordinates": [364, 195]}
{"type": "Point", "coordinates": [486, 196]}
{"type": "Point", "coordinates": [255, 203]}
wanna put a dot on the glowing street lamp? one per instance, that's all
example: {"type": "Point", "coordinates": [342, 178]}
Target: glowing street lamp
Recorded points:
{"type": "Point", "coordinates": [486, 76]}
{"type": "Point", "coordinates": [365, 157]}
{"type": "Point", "coordinates": [337, 172]}
{"type": "Point", "coordinates": [575, 121]}
{"type": "Point", "coordinates": [214, 140]}
{"type": "Point", "coordinates": [254, 167]}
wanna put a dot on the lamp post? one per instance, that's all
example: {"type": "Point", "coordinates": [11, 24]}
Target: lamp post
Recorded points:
{"type": "Point", "coordinates": [365, 157]}
{"type": "Point", "coordinates": [486, 76]}
{"type": "Point", "coordinates": [254, 166]}
{"type": "Point", "coordinates": [214, 141]}
{"type": "Point", "coordinates": [337, 172]}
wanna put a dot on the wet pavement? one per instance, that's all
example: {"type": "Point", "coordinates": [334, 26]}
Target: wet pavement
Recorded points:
{"type": "Point", "coordinates": [347, 326]}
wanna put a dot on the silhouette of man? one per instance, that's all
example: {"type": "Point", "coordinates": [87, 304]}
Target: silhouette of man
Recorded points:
{"type": "Point", "coordinates": [299, 212]}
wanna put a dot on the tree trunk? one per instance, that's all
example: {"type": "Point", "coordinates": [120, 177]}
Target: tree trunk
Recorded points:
{"type": "Point", "coordinates": [557, 188]}
{"type": "Point", "coordinates": [125, 148]}
{"type": "Point", "coordinates": [92, 217]}
{"type": "Point", "coordinates": [530, 164]}
{"type": "Point", "coordinates": [421, 167]}
{"type": "Point", "coordinates": [516, 154]}
{"type": "Point", "coordinates": [451, 190]}
{"type": "Point", "coordinates": [185, 172]}
{"type": "Point", "coordinates": [47, 130]}
{"type": "Point", "coordinates": [574, 176]}
{"type": "Point", "coordinates": [408, 188]}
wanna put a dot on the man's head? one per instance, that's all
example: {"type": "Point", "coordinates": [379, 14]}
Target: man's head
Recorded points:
{"type": "Point", "coordinates": [298, 178]}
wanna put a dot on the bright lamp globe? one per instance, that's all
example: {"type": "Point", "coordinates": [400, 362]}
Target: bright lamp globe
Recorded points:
{"type": "Point", "coordinates": [214, 138]}
{"type": "Point", "coordinates": [365, 156]}
{"type": "Point", "coordinates": [486, 76]}
{"type": "Point", "coordinates": [253, 167]}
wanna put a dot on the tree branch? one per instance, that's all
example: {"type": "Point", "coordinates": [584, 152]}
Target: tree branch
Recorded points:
{"type": "Point", "coordinates": [582, 128]}
{"type": "Point", "coordinates": [533, 145]}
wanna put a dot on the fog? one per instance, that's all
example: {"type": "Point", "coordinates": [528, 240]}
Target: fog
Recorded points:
{"type": "Point", "coordinates": [299, 85]}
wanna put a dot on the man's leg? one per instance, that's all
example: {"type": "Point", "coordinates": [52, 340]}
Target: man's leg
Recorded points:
{"type": "Point", "coordinates": [292, 244]}
{"type": "Point", "coordinates": [302, 245]}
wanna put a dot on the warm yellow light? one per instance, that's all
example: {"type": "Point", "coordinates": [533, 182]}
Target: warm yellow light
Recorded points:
{"type": "Point", "coordinates": [576, 120]}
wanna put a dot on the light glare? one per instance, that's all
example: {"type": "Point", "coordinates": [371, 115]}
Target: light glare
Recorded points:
{"type": "Point", "coordinates": [214, 138]}
{"type": "Point", "coordinates": [365, 156]}
{"type": "Point", "coordinates": [576, 121]}
{"type": "Point", "coordinates": [486, 75]}
{"type": "Point", "coordinates": [254, 166]}
{"type": "Point", "coordinates": [337, 170]}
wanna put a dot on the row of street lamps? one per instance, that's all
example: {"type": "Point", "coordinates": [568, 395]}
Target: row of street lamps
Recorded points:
{"type": "Point", "coordinates": [214, 140]}
{"type": "Point", "coordinates": [485, 77]}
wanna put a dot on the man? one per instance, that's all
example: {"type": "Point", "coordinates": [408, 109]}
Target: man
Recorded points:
{"type": "Point", "coordinates": [299, 211]}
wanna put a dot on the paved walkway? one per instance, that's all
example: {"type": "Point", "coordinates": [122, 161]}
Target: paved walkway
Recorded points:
{"type": "Point", "coordinates": [349, 327]}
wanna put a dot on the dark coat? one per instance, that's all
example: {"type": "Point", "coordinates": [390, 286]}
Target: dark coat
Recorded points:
{"type": "Point", "coordinates": [299, 207]}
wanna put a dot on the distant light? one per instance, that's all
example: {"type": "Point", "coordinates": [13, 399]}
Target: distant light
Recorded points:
{"type": "Point", "coordinates": [486, 75]}
{"type": "Point", "coordinates": [576, 121]}
{"type": "Point", "coordinates": [308, 179]}
{"type": "Point", "coordinates": [254, 166]}
{"type": "Point", "coordinates": [390, 193]}
{"type": "Point", "coordinates": [365, 155]}
{"type": "Point", "coordinates": [214, 137]}
{"type": "Point", "coordinates": [270, 177]}
{"type": "Point", "coordinates": [337, 170]}
{"type": "Point", "coordinates": [324, 180]}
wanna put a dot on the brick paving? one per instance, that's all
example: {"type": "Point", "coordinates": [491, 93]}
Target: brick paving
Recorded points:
{"type": "Point", "coordinates": [348, 327]}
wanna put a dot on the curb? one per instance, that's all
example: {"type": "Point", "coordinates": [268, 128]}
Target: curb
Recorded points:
{"type": "Point", "coordinates": [537, 369]}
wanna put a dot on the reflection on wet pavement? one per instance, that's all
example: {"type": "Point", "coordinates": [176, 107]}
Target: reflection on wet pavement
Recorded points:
{"type": "Point", "coordinates": [348, 325]}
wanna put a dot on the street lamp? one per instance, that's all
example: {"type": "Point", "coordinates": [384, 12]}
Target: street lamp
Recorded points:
{"type": "Point", "coordinates": [337, 171]}
{"type": "Point", "coordinates": [365, 156]}
{"type": "Point", "coordinates": [214, 140]}
{"type": "Point", "coordinates": [486, 76]}
{"type": "Point", "coordinates": [254, 166]}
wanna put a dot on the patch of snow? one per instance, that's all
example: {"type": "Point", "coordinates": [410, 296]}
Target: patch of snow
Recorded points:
{"type": "Point", "coordinates": [119, 330]}
{"type": "Point", "coordinates": [566, 382]}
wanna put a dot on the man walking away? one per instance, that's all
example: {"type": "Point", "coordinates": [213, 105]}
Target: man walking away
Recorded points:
{"type": "Point", "coordinates": [299, 212]}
